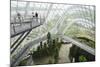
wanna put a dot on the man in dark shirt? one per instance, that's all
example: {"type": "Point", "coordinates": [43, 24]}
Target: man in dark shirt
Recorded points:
{"type": "Point", "coordinates": [36, 15]}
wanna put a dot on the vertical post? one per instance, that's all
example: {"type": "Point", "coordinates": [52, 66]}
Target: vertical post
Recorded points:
{"type": "Point", "coordinates": [13, 28]}
{"type": "Point", "coordinates": [13, 24]}
{"type": "Point", "coordinates": [26, 11]}
{"type": "Point", "coordinates": [40, 20]}
{"type": "Point", "coordinates": [30, 24]}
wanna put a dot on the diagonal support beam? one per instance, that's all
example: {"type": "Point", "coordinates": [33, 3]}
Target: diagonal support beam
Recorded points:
{"type": "Point", "coordinates": [20, 41]}
{"type": "Point", "coordinates": [49, 9]}
{"type": "Point", "coordinates": [82, 46]}
{"type": "Point", "coordinates": [17, 40]}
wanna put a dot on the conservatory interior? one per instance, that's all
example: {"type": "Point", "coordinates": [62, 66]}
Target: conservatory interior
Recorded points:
{"type": "Point", "coordinates": [51, 33]}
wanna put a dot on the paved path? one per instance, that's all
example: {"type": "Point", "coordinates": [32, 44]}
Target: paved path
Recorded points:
{"type": "Point", "coordinates": [64, 53]}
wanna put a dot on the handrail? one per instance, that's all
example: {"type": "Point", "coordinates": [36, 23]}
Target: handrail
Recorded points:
{"type": "Point", "coordinates": [79, 44]}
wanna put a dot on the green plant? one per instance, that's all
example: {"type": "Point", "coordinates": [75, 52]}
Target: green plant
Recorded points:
{"type": "Point", "coordinates": [82, 58]}
{"type": "Point", "coordinates": [49, 48]}
{"type": "Point", "coordinates": [41, 46]}
{"type": "Point", "coordinates": [78, 53]}
{"type": "Point", "coordinates": [23, 62]}
{"type": "Point", "coordinates": [48, 35]}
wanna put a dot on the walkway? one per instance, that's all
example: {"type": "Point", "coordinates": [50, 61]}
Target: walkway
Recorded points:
{"type": "Point", "coordinates": [17, 28]}
{"type": "Point", "coordinates": [63, 53]}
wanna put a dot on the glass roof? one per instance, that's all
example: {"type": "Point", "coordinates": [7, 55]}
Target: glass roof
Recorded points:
{"type": "Point", "coordinates": [70, 20]}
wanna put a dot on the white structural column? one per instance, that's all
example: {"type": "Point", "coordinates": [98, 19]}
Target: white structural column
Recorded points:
{"type": "Point", "coordinates": [26, 8]}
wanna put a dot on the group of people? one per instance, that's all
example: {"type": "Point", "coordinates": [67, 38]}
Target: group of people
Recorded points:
{"type": "Point", "coordinates": [19, 17]}
{"type": "Point", "coordinates": [34, 16]}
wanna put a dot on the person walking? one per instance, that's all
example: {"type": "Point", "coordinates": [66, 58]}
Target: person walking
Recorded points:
{"type": "Point", "coordinates": [33, 15]}
{"type": "Point", "coordinates": [19, 17]}
{"type": "Point", "coordinates": [36, 15]}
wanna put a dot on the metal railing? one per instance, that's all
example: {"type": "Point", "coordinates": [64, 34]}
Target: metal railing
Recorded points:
{"type": "Point", "coordinates": [25, 24]}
